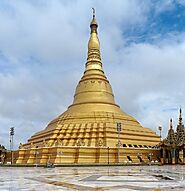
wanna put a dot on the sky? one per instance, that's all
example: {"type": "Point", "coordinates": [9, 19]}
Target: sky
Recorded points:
{"type": "Point", "coordinates": [43, 50]}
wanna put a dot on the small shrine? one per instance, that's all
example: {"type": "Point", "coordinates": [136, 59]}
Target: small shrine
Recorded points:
{"type": "Point", "coordinates": [173, 146]}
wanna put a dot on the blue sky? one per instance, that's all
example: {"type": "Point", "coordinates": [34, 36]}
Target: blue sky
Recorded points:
{"type": "Point", "coordinates": [160, 24]}
{"type": "Point", "coordinates": [43, 48]}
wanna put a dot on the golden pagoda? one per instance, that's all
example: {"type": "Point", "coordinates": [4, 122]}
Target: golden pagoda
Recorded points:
{"type": "Point", "coordinates": [87, 131]}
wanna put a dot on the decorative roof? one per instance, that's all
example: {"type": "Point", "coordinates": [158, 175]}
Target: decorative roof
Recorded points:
{"type": "Point", "coordinates": [175, 139]}
{"type": "Point", "coordinates": [170, 139]}
{"type": "Point", "coordinates": [180, 134]}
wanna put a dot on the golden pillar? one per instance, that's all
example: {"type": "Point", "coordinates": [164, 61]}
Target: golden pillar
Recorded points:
{"type": "Point", "coordinates": [162, 153]}
{"type": "Point", "coordinates": [173, 155]}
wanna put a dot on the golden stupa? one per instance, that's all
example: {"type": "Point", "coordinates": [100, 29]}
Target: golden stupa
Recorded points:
{"type": "Point", "coordinates": [86, 132]}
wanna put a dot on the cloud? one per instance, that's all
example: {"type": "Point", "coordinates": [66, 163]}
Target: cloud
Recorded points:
{"type": "Point", "coordinates": [150, 78]}
{"type": "Point", "coordinates": [43, 47]}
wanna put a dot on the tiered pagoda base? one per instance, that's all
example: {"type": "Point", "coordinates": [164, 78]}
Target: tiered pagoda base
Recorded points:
{"type": "Point", "coordinates": [86, 155]}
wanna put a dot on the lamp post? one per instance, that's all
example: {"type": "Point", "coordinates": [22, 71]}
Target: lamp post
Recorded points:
{"type": "Point", "coordinates": [118, 130]}
{"type": "Point", "coordinates": [160, 129]}
{"type": "Point", "coordinates": [11, 142]}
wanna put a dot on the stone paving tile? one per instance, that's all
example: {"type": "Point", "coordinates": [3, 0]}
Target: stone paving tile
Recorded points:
{"type": "Point", "coordinates": [164, 178]}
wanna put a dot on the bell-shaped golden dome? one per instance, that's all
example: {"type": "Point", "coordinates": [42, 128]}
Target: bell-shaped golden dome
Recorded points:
{"type": "Point", "coordinates": [93, 115]}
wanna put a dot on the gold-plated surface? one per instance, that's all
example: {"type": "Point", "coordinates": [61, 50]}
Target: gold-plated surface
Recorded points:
{"type": "Point", "coordinates": [90, 122]}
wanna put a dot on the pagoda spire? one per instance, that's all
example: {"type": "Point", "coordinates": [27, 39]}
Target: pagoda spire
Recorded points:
{"type": "Point", "coordinates": [180, 126]}
{"type": "Point", "coordinates": [94, 57]}
{"type": "Point", "coordinates": [180, 116]}
{"type": "Point", "coordinates": [171, 135]}
{"type": "Point", "coordinates": [94, 91]}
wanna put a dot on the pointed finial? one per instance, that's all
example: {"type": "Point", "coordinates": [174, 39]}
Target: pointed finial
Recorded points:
{"type": "Point", "coordinates": [93, 12]}
{"type": "Point", "coordinates": [93, 24]}
{"type": "Point", "coordinates": [180, 116]}
{"type": "Point", "coordinates": [171, 125]}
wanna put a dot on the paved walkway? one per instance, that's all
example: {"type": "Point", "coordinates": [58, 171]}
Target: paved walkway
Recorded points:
{"type": "Point", "coordinates": [126, 178]}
